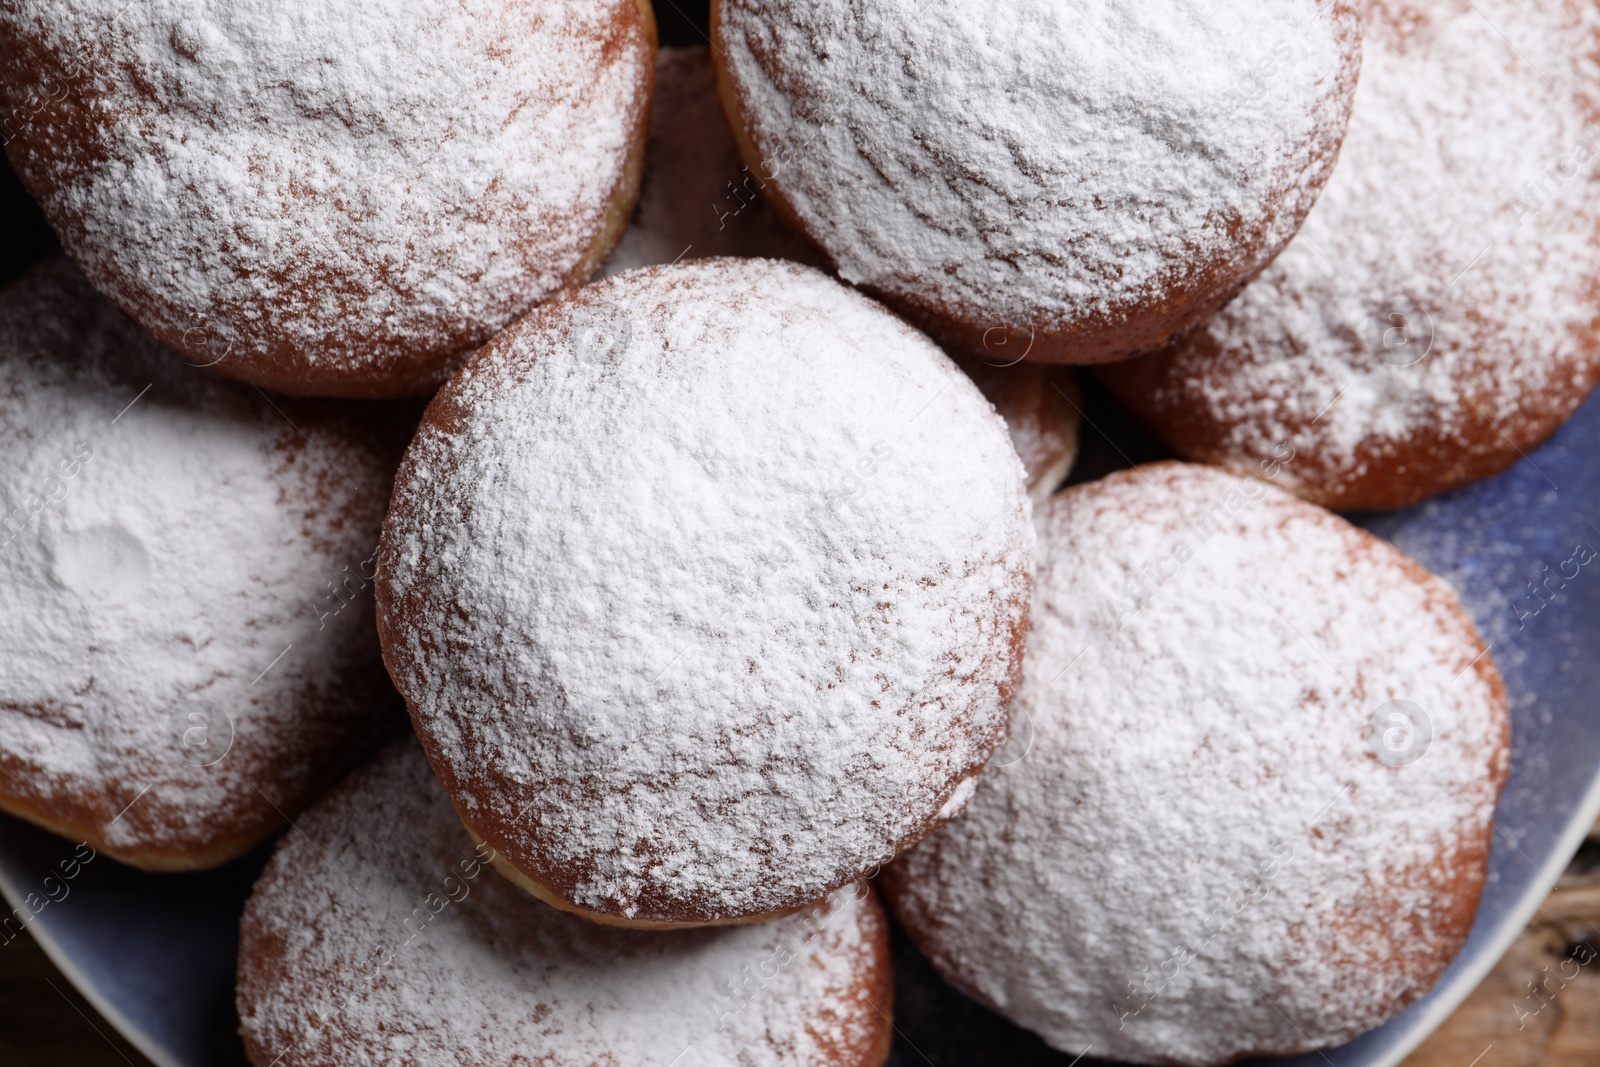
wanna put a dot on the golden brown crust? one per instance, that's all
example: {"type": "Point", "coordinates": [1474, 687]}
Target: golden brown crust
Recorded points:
{"type": "Point", "coordinates": [528, 885]}
{"type": "Point", "coordinates": [1098, 338]}
{"type": "Point", "coordinates": [222, 849]}
{"type": "Point", "coordinates": [1354, 957]}
{"type": "Point", "coordinates": [1509, 347]}
{"type": "Point", "coordinates": [519, 870]}
{"type": "Point", "coordinates": [529, 868]}
{"type": "Point", "coordinates": [752, 156]}
{"type": "Point", "coordinates": [1379, 475]}
{"type": "Point", "coordinates": [329, 958]}
{"type": "Point", "coordinates": [1102, 340]}
{"type": "Point", "coordinates": [265, 961]}
{"type": "Point", "coordinates": [619, 209]}
{"type": "Point", "coordinates": [59, 140]}
{"type": "Point", "coordinates": [510, 813]}
{"type": "Point", "coordinates": [1455, 879]}
{"type": "Point", "coordinates": [875, 989]}
{"type": "Point", "coordinates": [217, 549]}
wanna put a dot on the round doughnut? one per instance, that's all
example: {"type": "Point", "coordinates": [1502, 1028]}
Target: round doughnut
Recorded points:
{"type": "Point", "coordinates": [1042, 409]}
{"type": "Point", "coordinates": [697, 198]}
{"type": "Point", "coordinates": [1246, 810]}
{"type": "Point", "coordinates": [335, 198]}
{"type": "Point", "coordinates": [1439, 315]}
{"type": "Point", "coordinates": [1083, 180]}
{"type": "Point", "coordinates": [376, 935]}
{"type": "Point", "coordinates": [186, 567]}
{"type": "Point", "coordinates": [706, 587]}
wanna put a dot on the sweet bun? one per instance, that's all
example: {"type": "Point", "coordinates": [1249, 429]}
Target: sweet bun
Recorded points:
{"type": "Point", "coordinates": [336, 198]}
{"type": "Point", "coordinates": [1247, 806]}
{"type": "Point", "coordinates": [706, 587]}
{"type": "Point", "coordinates": [376, 935]}
{"type": "Point", "coordinates": [1439, 315]}
{"type": "Point", "coordinates": [186, 568]}
{"type": "Point", "coordinates": [1084, 180]}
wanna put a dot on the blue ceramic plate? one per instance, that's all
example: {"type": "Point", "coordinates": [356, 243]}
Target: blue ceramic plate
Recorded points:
{"type": "Point", "coordinates": [155, 953]}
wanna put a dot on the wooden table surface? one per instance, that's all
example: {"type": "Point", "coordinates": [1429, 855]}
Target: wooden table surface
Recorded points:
{"type": "Point", "coordinates": [1539, 1008]}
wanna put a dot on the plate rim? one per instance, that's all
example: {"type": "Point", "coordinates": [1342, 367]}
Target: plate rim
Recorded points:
{"type": "Point", "coordinates": [70, 970]}
{"type": "Point", "coordinates": [1466, 982]}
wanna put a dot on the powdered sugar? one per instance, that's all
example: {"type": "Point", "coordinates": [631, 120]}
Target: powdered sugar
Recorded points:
{"type": "Point", "coordinates": [350, 191]}
{"type": "Point", "coordinates": [1202, 856]}
{"type": "Point", "coordinates": [1033, 163]}
{"type": "Point", "coordinates": [1442, 295]}
{"type": "Point", "coordinates": [697, 198]}
{"type": "Point", "coordinates": [377, 935]}
{"type": "Point", "coordinates": [171, 630]}
{"type": "Point", "coordinates": [703, 588]}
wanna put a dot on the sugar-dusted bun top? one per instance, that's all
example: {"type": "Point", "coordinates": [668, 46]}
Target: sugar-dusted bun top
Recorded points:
{"type": "Point", "coordinates": [1097, 171]}
{"type": "Point", "coordinates": [343, 195]}
{"type": "Point", "coordinates": [186, 567]}
{"type": "Point", "coordinates": [706, 587]}
{"type": "Point", "coordinates": [378, 931]}
{"type": "Point", "coordinates": [1246, 807]}
{"type": "Point", "coordinates": [1439, 315]}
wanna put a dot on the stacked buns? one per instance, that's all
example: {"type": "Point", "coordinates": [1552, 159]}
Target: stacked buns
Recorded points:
{"type": "Point", "coordinates": [1437, 317]}
{"type": "Point", "coordinates": [717, 588]}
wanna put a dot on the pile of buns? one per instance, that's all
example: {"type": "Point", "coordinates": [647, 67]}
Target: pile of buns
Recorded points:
{"type": "Point", "coordinates": [728, 578]}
